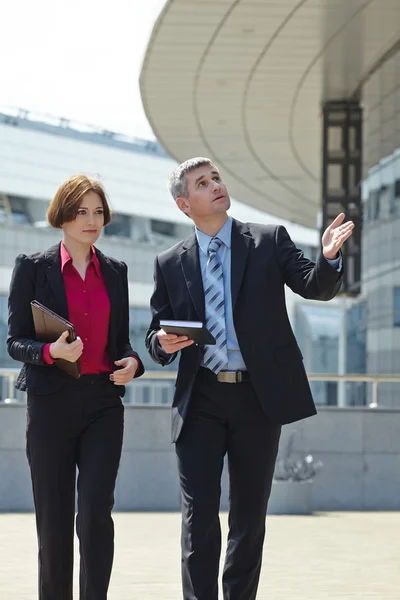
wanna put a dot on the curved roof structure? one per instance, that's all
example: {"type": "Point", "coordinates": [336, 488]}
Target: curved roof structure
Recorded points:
{"type": "Point", "coordinates": [243, 81]}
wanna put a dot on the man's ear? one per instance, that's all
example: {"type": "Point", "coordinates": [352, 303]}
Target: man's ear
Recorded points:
{"type": "Point", "coordinates": [183, 205]}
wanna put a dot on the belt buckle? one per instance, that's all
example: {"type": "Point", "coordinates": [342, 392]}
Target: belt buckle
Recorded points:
{"type": "Point", "coordinates": [229, 376]}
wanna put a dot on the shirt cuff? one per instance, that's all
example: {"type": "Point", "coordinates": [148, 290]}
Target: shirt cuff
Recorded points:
{"type": "Point", "coordinates": [139, 363]}
{"type": "Point", "coordinates": [336, 263]}
{"type": "Point", "coordinates": [46, 355]}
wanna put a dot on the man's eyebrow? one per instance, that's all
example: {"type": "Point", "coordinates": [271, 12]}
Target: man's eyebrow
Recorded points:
{"type": "Point", "coordinates": [201, 176]}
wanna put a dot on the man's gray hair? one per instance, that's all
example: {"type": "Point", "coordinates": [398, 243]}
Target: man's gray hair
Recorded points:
{"type": "Point", "coordinates": [177, 183]}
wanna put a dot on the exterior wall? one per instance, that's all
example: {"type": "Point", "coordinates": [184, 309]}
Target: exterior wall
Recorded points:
{"type": "Point", "coordinates": [36, 159]}
{"type": "Point", "coordinates": [37, 156]}
{"type": "Point", "coordinates": [360, 449]}
{"type": "Point", "coordinates": [381, 243]}
{"type": "Point", "coordinates": [35, 163]}
{"type": "Point", "coordinates": [139, 257]}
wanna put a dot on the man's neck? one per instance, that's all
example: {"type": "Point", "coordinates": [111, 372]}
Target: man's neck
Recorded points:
{"type": "Point", "coordinates": [211, 226]}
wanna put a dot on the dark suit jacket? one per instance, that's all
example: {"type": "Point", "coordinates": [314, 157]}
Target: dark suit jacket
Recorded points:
{"type": "Point", "coordinates": [38, 277]}
{"type": "Point", "coordinates": [263, 260]}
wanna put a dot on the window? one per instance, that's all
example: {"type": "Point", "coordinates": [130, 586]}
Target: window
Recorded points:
{"type": "Point", "coordinates": [163, 227]}
{"type": "Point", "coordinates": [374, 199]}
{"type": "Point", "coordinates": [139, 321]}
{"type": "Point", "coordinates": [356, 338]}
{"type": "Point", "coordinates": [120, 226]}
{"type": "Point", "coordinates": [396, 199]}
{"type": "Point", "coordinates": [146, 394]}
{"type": "Point", "coordinates": [310, 252]}
{"type": "Point", "coordinates": [396, 306]}
{"type": "Point", "coordinates": [384, 202]}
{"type": "Point", "coordinates": [13, 209]}
{"type": "Point", "coordinates": [5, 359]}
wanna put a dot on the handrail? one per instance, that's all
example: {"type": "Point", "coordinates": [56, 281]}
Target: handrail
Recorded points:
{"type": "Point", "coordinates": [374, 379]}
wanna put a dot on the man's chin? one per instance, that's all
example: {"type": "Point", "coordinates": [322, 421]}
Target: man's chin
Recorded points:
{"type": "Point", "coordinates": [222, 205]}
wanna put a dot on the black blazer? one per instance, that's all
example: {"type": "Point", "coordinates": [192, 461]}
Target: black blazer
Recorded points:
{"type": "Point", "coordinates": [263, 259]}
{"type": "Point", "coordinates": [38, 277]}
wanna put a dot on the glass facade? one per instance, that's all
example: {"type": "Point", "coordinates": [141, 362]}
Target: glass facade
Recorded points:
{"type": "Point", "coordinates": [317, 328]}
{"type": "Point", "coordinates": [381, 235]}
{"type": "Point", "coordinates": [396, 307]}
{"type": "Point", "coordinates": [5, 360]}
{"type": "Point", "coordinates": [356, 352]}
{"type": "Point", "coordinates": [139, 321]}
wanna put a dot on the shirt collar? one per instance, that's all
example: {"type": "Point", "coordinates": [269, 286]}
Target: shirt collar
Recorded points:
{"type": "Point", "coordinates": [66, 259]}
{"type": "Point", "coordinates": [224, 234]}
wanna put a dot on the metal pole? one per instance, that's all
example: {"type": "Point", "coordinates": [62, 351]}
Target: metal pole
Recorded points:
{"type": "Point", "coordinates": [341, 389]}
{"type": "Point", "coordinates": [375, 399]}
{"type": "Point", "coordinates": [11, 383]}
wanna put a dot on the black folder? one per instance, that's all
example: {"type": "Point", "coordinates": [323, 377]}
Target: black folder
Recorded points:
{"type": "Point", "coordinates": [48, 327]}
{"type": "Point", "coordinates": [195, 330]}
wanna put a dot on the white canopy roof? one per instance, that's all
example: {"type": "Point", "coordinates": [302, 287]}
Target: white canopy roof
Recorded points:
{"type": "Point", "coordinates": [242, 81]}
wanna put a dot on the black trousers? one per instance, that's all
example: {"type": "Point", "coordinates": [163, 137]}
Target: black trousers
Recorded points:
{"type": "Point", "coordinates": [80, 426]}
{"type": "Point", "coordinates": [224, 419]}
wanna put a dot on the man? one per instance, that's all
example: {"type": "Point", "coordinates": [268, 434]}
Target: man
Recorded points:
{"type": "Point", "coordinates": [232, 398]}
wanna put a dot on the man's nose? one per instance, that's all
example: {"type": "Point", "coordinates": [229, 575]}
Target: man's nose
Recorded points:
{"type": "Point", "coordinates": [217, 185]}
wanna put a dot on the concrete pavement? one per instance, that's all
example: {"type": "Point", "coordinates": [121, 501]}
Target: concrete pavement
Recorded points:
{"type": "Point", "coordinates": [346, 556]}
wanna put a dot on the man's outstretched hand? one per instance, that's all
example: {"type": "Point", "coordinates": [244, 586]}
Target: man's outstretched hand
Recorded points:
{"type": "Point", "coordinates": [335, 235]}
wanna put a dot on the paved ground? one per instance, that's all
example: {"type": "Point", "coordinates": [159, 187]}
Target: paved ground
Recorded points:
{"type": "Point", "coordinates": [334, 556]}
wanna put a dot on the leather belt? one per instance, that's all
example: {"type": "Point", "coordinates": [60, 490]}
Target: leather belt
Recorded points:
{"type": "Point", "coordinates": [225, 376]}
{"type": "Point", "coordinates": [95, 378]}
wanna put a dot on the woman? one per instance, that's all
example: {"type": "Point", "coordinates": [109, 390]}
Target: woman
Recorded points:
{"type": "Point", "coordinates": [74, 422]}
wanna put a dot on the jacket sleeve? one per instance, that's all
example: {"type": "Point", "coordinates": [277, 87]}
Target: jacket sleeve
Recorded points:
{"type": "Point", "coordinates": [123, 342]}
{"type": "Point", "coordinates": [160, 309]}
{"type": "Point", "coordinates": [21, 343]}
{"type": "Point", "coordinates": [315, 281]}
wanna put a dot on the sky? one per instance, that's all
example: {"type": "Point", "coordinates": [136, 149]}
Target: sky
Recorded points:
{"type": "Point", "coordinates": [77, 59]}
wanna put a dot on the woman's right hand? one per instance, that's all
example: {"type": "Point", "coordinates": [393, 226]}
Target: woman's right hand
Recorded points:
{"type": "Point", "coordinates": [62, 349]}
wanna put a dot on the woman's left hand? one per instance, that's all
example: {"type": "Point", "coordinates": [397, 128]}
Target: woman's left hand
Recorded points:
{"type": "Point", "coordinates": [123, 376]}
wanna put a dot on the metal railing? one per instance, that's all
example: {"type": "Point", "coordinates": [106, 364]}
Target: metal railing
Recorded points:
{"type": "Point", "coordinates": [374, 379]}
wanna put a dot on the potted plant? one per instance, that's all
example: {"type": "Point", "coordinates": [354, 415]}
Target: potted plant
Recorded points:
{"type": "Point", "coordinates": [292, 484]}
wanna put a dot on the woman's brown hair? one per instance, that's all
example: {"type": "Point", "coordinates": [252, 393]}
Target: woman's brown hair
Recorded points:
{"type": "Point", "coordinates": [67, 200]}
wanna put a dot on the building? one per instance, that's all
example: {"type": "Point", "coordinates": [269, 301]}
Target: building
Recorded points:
{"type": "Point", "coordinates": [299, 104]}
{"type": "Point", "coordinates": [38, 153]}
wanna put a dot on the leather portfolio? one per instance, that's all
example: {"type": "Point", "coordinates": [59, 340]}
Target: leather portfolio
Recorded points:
{"type": "Point", "coordinates": [48, 327]}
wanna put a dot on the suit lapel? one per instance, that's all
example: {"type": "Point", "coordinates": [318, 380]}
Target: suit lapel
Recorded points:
{"type": "Point", "coordinates": [240, 245]}
{"type": "Point", "coordinates": [191, 269]}
{"type": "Point", "coordinates": [55, 279]}
{"type": "Point", "coordinates": [111, 280]}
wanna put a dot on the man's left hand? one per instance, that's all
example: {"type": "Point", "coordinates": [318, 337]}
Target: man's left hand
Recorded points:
{"type": "Point", "coordinates": [335, 236]}
{"type": "Point", "coordinates": [123, 376]}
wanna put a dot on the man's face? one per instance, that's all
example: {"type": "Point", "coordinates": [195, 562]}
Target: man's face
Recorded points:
{"type": "Point", "coordinates": [206, 194]}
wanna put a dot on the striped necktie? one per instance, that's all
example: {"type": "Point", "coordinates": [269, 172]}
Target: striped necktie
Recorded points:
{"type": "Point", "coordinates": [215, 357]}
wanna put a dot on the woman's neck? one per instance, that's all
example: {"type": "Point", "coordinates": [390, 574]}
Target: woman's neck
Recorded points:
{"type": "Point", "coordinates": [80, 253]}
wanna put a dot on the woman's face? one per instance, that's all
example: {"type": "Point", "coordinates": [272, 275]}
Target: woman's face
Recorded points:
{"type": "Point", "coordinates": [89, 220]}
